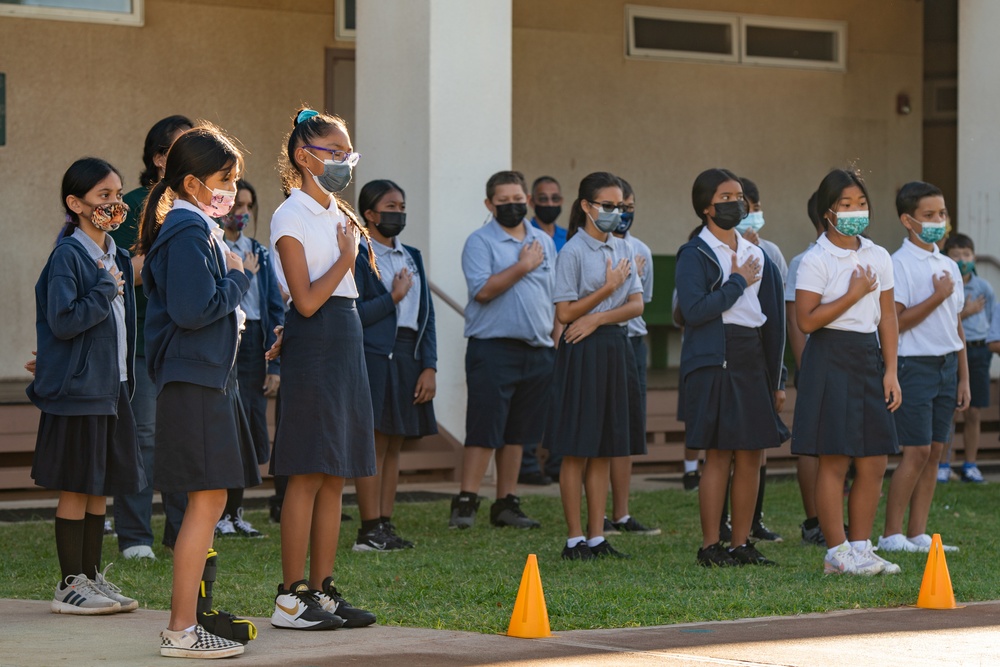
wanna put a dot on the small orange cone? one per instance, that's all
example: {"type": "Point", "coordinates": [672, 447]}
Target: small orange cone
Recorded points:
{"type": "Point", "coordinates": [936, 591]}
{"type": "Point", "coordinates": [530, 619]}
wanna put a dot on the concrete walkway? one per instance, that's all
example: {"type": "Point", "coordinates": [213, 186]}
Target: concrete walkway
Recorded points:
{"type": "Point", "coordinates": [31, 636]}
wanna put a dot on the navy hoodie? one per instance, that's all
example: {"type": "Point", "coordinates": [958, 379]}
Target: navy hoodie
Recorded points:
{"type": "Point", "coordinates": [191, 329]}
{"type": "Point", "coordinates": [77, 371]}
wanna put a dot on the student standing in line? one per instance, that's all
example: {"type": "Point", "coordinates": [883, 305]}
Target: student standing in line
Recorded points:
{"type": "Point", "coordinates": [134, 512]}
{"type": "Point", "coordinates": [397, 314]}
{"type": "Point", "coordinates": [86, 445]}
{"type": "Point", "coordinates": [848, 388]}
{"type": "Point", "coordinates": [621, 520]}
{"type": "Point", "coordinates": [933, 367]}
{"type": "Point", "coordinates": [194, 285]}
{"type": "Point", "coordinates": [596, 412]}
{"type": "Point", "coordinates": [546, 201]}
{"type": "Point", "coordinates": [509, 269]}
{"type": "Point", "coordinates": [731, 300]}
{"type": "Point", "coordinates": [325, 431]}
{"type": "Point", "coordinates": [806, 466]}
{"type": "Point", "coordinates": [258, 377]}
{"type": "Point", "coordinates": [977, 315]}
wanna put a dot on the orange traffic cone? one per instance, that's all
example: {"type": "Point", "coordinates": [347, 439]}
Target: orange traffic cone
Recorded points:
{"type": "Point", "coordinates": [530, 619]}
{"type": "Point", "coordinates": [936, 591]}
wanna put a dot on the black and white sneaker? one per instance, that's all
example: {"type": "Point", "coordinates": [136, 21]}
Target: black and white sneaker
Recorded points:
{"type": "Point", "coordinates": [716, 555]}
{"type": "Point", "coordinates": [463, 511]}
{"type": "Point", "coordinates": [609, 528]}
{"type": "Point", "coordinates": [507, 512]}
{"type": "Point", "coordinates": [390, 529]}
{"type": "Point", "coordinates": [692, 480]}
{"type": "Point", "coordinates": [812, 535]}
{"type": "Point", "coordinates": [580, 552]}
{"type": "Point", "coordinates": [333, 602]}
{"type": "Point", "coordinates": [630, 525]}
{"type": "Point", "coordinates": [759, 531]}
{"type": "Point", "coordinates": [298, 609]}
{"type": "Point", "coordinates": [747, 554]}
{"type": "Point", "coordinates": [198, 643]}
{"type": "Point", "coordinates": [243, 527]}
{"type": "Point", "coordinates": [605, 550]}
{"type": "Point", "coordinates": [377, 539]}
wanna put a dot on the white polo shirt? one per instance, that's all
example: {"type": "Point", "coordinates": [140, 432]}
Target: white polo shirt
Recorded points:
{"type": "Point", "coordinates": [914, 268]}
{"type": "Point", "coordinates": [826, 269]}
{"type": "Point", "coordinates": [315, 227]}
{"type": "Point", "coordinates": [746, 311]}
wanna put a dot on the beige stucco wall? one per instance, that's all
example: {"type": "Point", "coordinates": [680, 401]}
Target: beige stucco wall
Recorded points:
{"type": "Point", "coordinates": [76, 89]}
{"type": "Point", "coordinates": [581, 106]}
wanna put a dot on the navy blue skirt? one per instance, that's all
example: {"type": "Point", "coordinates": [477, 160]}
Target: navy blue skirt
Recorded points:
{"type": "Point", "coordinates": [97, 455]}
{"type": "Point", "coordinates": [840, 408]}
{"type": "Point", "coordinates": [596, 404]}
{"type": "Point", "coordinates": [732, 408]}
{"type": "Point", "coordinates": [326, 424]}
{"type": "Point", "coordinates": [393, 380]}
{"type": "Point", "coordinates": [203, 439]}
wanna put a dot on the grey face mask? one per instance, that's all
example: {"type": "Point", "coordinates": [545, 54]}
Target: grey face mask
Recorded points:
{"type": "Point", "coordinates": [335, 177]}
{"type": "Point", "coordinates": [608, 222]}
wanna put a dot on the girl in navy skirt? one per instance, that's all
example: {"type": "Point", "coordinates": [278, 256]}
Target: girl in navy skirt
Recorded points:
{"type": "Point", "coordinates": [400, 353]}
{"type": "Point", "coordinates": [193, 321]}
{"type": "Point", "coordinates": [85, 323]}
{"type": "Point", "coordinates": [596, 408]}
{"type": "Point", "coordinates": [731, 300]}
{"type": "Point", "coordinates": [325, 432]}
{"type": "Point", "coordinates": [847, 384]}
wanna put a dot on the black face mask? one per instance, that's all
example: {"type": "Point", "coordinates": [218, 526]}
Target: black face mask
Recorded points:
{"type": "Point", "coordinates": [547, 214]}
{"type": "Point", "coordinates": [390, 223]}
{"type": "Point", "coordinates": [728, 214]}
{"type": "Point", "coordinates": [511, 215]}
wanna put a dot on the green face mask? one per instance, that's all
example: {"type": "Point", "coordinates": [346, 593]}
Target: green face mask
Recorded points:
{"type": "Point", "coordinates": [966, 267]}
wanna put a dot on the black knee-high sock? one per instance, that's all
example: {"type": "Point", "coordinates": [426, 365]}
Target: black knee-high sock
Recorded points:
{"type": "Point", "coordinates": [234, 500]}
{"type": "Point", "coordinates": [758, 511]}
{"type": "Point", "coordinates": [69, 546]}
{"type": "Point", "coordinates": [93, 541]}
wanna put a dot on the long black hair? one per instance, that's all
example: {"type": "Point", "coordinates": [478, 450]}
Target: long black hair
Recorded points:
{"type": "Point", "coordinates": [200, 152]}
{"type": "Point", "coordinates": [832, 187]}
{"type": "Point", "coordinates": [589, 187]}
{"type": "Point", "coordinates": [158, 143]}
{"type": "Point", "coordinates": [372, 193]}
{"type": "Point", "coordinates": [79, 179]}
{"type": "Point", "coordinates": [703, 190]}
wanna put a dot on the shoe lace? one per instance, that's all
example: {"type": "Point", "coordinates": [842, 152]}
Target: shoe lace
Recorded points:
{"type": "Point", "coordinates": [225, 524]}
{"type": "Point", "coordinates": [101, 581]}
{"type": "Point", "coordinates": [242, 524]}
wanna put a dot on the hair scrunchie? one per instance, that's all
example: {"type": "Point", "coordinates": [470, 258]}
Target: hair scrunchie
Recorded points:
{"type": "Point", "coordinates": [305, 115]}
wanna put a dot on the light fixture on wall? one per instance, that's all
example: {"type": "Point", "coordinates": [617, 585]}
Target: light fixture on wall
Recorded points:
{"type": "Point", "coordinates": [903, 107]}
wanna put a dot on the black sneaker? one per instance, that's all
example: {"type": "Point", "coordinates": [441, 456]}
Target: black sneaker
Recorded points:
{"type": "Point", "coordinates": [534, 479]}
{"type": "Point", "coordinates": [243, 526]}
{"type": "Point", "coordinates": [377, 539]}
{"type": "Point", "coordinates": [609, 528]}
{"type": "Point", "coordinates": [507, 512]}
{"type": "Point", "coordinates": [298, 609]}
{"type": "Point", "coordinates": [759, 531]}
{"type": "Point", "coordinates": [725, 531]}
{"type": "Point", "coordinates": [463, 512]}
{"type": "Point", "coordinates": [580, 552]}
{"type": "Point", "coordinates": [813, 535]}
{"type": "Point", "coordinates": [692, 480]}
{"type": "Point", "coordinates": [274, 509]}
{"type": "Point", "coordinates": [605, 550]}
{"type": "Point", "coordinates": [632, 526]}
{"type": "Point", "coordinates": [748, 555]}
{"type": "Point", "coordinates": [716, 555]}
{"type": "Point", "coordinates": [334, 603]}
{"type": "Point", "coordinates": [390, 529]}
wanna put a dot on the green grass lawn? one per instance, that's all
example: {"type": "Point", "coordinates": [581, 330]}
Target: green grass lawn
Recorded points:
{"type": "Point", "coordinates": [468, 580]}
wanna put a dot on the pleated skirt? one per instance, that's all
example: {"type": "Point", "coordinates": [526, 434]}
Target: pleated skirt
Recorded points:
{"type": "Point", "coordinates": [393, 380]}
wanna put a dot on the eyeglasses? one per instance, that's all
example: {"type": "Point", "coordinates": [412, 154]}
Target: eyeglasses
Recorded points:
{"type": "Point", "coordinates": [609, 207]}
{"type": "Point", "coordinates": [338, 156]}
{"type": "Point", "coordinates": [628, 208]}
{"type": "Point", "coordinates": [545, 200]}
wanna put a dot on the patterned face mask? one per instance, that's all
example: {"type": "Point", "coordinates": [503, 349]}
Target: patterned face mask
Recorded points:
{"type": "Point", "coordinates": [851, 223]}
{"type": "Point", "coordinates": [220, 205]}
{"type": "Point", "coordinates": [109, 217]}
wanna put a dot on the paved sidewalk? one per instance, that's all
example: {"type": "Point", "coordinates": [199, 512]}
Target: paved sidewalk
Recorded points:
{"type": "Point", "coordinates": [31, 636]}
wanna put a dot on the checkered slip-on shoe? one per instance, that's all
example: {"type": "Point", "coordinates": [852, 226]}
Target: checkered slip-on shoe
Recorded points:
{"type": "Point", "coordinates": [198, 643]}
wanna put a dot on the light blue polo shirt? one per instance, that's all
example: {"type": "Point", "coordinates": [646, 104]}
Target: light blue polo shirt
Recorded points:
{"type": "Point", "coordinates": [978, 326]}
{"type": "Point", "coordinates": [524, 312]}
{"type": "Point", "coordinates": [581, 269]}
{"type": "Point", "coordinates": [637, 325]}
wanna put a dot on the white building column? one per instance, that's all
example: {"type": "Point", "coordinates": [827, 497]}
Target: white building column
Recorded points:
{"type": "Point", "coordinates": [978, 139]}
{"type": "Point", "coordinates": [434, 115]}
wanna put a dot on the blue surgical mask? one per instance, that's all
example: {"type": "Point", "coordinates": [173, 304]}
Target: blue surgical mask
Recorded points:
{"type": "Point", "coordinates": [607, 222]}
{"type": "Point", "coordinates": [335, 177]}
{"type": "Point", "coordinates": [851, 223]}
{"type": "Point", "coordinates": [932, 232]}
{"type": "Point", "coordinates": [626, 222]}
{"type": "Point", "coordinates": [754, 221]}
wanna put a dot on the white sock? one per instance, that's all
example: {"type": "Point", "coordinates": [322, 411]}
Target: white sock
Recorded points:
{"type": "Point", "coordinates": [573, 541]}
{"type": "Point", "coordinates": [859, 545]}
{"type": "Point", "coordinates": [191, 629]}
{"type": "Point", "coordinates": [594, 541]}
{"type": "Point", "coordinates": [691, 466]}
{"type": "Point", "coordinates": [624, 518]}
{"type": "Point", "coordinates": [831, 552]}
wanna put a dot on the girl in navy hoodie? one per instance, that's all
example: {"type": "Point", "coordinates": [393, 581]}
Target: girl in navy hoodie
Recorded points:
{"type": "Point", "coordinates": [85, 324]}
{"type": "Point", "coordinates": [195, 284]}
{"type": "Point", "coordinates": [730, 296]}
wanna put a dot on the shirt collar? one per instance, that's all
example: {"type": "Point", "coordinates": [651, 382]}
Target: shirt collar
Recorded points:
{"type": "Point", "coordinates": [742, 245]}
{"type": "Point", "coordinates": [95, 251]}
{"type": "Point", "coordinates": [835, 250]}
{"type": "Point", "coordinates": [382, 249]}
{"type": "Point", "coordinates": [186, 205]}
{"type": "Point", "coordinates": [314, 206]}
{"type": "Point", "coordinates": [593, 243]}
{"type": "Point", "coordinates": [919, 252]}
{"type": "Point", "coordinates": [500, 233]}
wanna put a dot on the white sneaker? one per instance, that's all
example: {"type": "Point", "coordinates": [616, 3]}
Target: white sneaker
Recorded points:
{"type": "Point", "coordinates": [898, 542]}
{"type": "Point", "coordinates": [923, 542]}
{"type": "Point", "coordinates": [972, 473]}
{"type": "Point", "coordinates": [198, 643]}
{"type": "Point", "coordinates": [943, 473]}
{"type": "Point", "coordinates": [887, 567]}
{"type": "Point", "coordinates": [225, 527]}
{"type": "Point", "coordinates": [80, 597]}
{"type": "Point", "coordinates": [139, 551]}
{"type": "Point", "coordinates": [841, 561]}
{"type": "Point", "coordinates": [112, 592]}
{"type": "Point", "coordinates": [866, 561]}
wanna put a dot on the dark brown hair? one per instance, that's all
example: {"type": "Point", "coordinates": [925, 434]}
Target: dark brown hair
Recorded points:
{"type": "Point", "coordinates": [589, 187]}
{"type": "Point", "coordinates": [505, 178]}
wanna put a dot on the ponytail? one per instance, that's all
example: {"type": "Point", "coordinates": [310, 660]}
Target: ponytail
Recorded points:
{"type": "Point", "coordinates": [577, 219]}
{"type": "Point", "coordinates": [352, 218]}
{"type": "Point", "coordinates": [151, 219]}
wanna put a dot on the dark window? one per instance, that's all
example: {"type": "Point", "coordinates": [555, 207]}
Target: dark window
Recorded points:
{"type": "Point", "coordinates": [673, 35]}
{"type": "Point", "coordinates": [791, 44]}
{"type": "Point", "coordinates": [349, 18]}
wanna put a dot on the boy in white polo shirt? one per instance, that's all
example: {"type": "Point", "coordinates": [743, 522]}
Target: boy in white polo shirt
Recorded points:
{"type": "Point", "coordinates": [933, 366]}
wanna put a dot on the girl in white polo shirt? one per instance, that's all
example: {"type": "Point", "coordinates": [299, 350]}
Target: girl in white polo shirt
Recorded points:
{"type": "Point", "coordinates": [847, 384]}
{"type": "Point", "coordinates": [325, 431]}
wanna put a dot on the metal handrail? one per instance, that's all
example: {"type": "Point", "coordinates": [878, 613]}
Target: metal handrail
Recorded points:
{"type": "Point", "coordinates": [441, 294]}
{"type": "Point", "coordinates": [988, 259]}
